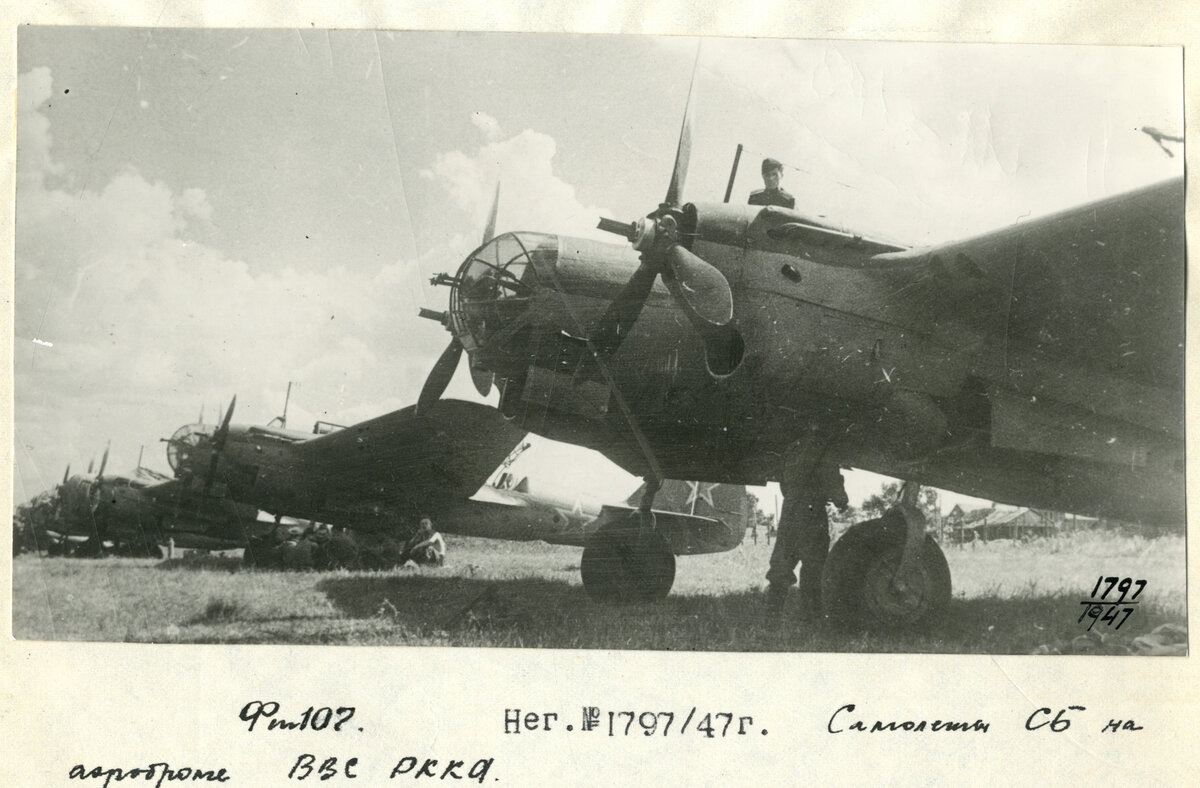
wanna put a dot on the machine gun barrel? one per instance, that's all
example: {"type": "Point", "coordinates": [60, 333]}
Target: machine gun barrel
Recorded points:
{"type": "Point", "coordinates": [626, 230]}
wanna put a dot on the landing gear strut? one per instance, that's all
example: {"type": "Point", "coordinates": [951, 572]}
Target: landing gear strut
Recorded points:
{"type": "Point", "coordinates": [628, 560]}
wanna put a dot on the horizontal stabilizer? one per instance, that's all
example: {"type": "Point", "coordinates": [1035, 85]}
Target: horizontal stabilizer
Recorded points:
{"type": "Point", "coordinates": [686, 534]}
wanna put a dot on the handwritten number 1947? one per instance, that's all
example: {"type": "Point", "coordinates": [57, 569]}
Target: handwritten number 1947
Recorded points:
{"type": "Point", "coordinates": [1106, 606]}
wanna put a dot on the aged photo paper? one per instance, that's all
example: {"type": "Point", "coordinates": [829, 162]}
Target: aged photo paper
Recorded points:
{"type": "Point", "coordinates": [891, 307]}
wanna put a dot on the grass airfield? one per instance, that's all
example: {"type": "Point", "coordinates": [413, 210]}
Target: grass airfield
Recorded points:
{"type": "Point", "coordinates": [1009, 598]}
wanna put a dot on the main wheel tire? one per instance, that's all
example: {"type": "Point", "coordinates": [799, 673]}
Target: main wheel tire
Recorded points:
{"type": "Point", "coordinates": [856, 586]}
{"type": "Point", "coordinates": [623, 563]}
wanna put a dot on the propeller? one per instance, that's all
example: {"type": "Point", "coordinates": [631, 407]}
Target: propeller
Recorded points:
{"type": "Point", "coordinates": [96, 496]}
{"type": "Point", "coordinates": [439, 376]}
{"type": "Point", "coordinates": [95, 489]}
{"type": "Point", "coordinates": [695, 284]}
{"type": "Point", "coordinates": [443, 370]}
{"type": "Point", "coordinates": [66, 473]}
{"type": "Point", "coordinates": [489, 231]}
{"type": "Point", "coordinates": [218, 444]}
{"type": "Point", "coordinates": [103, 461]}
{"type": "Point", "coordinates": [482, 378]}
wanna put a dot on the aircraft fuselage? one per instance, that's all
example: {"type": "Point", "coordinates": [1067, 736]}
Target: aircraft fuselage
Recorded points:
{"type": "Point", "coordinates": [1000, 400]}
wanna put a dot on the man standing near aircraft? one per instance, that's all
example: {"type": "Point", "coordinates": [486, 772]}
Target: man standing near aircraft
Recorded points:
{"type": "Point", "coordinates": [803, 535]}
{"type": "Point", "coordinates": [772, 193]}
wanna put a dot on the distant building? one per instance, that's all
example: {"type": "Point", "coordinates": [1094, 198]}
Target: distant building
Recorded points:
{"type": "Point", "coordinates": [992, 523]}
{"type": "Point", "coordinates": [963, 526]}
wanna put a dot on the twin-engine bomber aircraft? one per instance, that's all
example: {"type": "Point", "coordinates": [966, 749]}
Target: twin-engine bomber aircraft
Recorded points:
{"type": "Point", "coordinates": [1040, 364]}
{"type": "Point", "coordinates": [137, 514]}
{"type": "Point", "coordinates": [384, 474]}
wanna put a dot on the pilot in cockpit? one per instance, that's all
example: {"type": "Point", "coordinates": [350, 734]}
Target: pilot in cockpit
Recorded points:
{"type": "Point", "coordinates": [771, 193]}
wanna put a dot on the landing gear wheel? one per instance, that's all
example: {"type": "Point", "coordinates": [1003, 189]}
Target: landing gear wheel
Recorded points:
{"type": "Point", "coordinates": [858, 589]}
{"type": "Point", "coordinates": [623, 563]}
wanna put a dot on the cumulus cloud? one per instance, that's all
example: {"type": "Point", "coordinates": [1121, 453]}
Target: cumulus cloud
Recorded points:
{"type": "Point", "coordinates": [145, 322]}
{"type": "Point", "coordinates": [533, 196]}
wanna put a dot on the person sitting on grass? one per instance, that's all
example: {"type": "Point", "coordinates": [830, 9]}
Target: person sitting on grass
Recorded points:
{"type": "Point", "coordinates": [426, 547]}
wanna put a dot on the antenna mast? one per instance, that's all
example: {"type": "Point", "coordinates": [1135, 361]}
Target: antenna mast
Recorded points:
{"type": "Point", "coordinates": [286, 399]}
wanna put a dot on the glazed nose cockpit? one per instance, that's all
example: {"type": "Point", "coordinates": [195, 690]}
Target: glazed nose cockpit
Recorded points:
{"type": "Point", "coordinates": [494, 294]}
{"type": "Point", "coordinates": [187, 446]}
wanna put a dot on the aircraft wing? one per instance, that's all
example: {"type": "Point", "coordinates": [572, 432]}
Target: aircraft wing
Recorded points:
{"type": "Point", "coordinates": [1102, 283]}
{"type": "Point", "coordinates": [419, 461]}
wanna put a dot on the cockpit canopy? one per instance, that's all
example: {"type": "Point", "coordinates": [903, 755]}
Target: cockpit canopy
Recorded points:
{"type": "Point", "coordinates": [497, 281]}
{"type": "Point", "coordinates": [185, 444]}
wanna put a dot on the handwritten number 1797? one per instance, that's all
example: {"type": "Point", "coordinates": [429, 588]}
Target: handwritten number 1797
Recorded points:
{"type": "Point", "coordinates": [1120, 584]}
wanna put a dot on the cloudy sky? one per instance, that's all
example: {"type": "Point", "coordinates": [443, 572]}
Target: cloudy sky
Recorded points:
{"type": "Point", "coordinates": [203, 213]}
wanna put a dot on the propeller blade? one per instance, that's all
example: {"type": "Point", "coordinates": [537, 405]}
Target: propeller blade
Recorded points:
{"type": "Point", "coordinates": [218, 444]}
{"type": "Point", "coordinates": [223, 431]}
{"type": "Point", "coordinates": [67, 473]}
{"type": "Point", "coordinates": [623, 312]}
{"type": "Point", "coordinates": [103, 461]}
{"type": "Point", "coordinates": [212, 470]}
{"type": "Point", "coordinates": [95, 490]}
{"type": "Point", "coordinates": [683, 152]}
{"type": "Point", "coordinates": [482, 378]}
{"type": "Point", "coordinates": [439, 376]}
{"type": "Point", "coordinates": [489, 231]}
{"type": "Point", "coordinates": [200, 419]}
{"type": "Point", "coordinates": [91, 462]}
{"type": "Point", "coordinates": [698, 287]}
